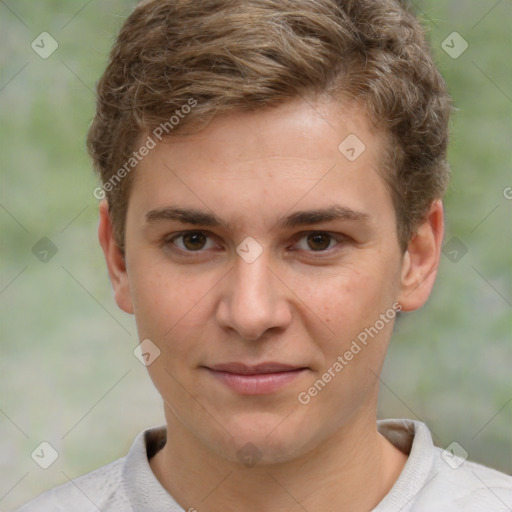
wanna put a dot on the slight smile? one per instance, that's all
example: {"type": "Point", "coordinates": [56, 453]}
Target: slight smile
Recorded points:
{"type": "Point", "coordinates": [259, 379]}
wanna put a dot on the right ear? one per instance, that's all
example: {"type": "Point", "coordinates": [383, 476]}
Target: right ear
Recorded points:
{"type": "Point", "coordinates": [115, 260]}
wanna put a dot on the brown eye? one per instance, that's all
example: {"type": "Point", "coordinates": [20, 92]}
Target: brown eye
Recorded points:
{"type": "Point", "coordinates": [192, 244]}
{"type": "Point", "coordinates": [191, 241]}
{"type": "Point", "coordinates": [319, 241]}
{"type": "Point", "coordinates": [194, 241]}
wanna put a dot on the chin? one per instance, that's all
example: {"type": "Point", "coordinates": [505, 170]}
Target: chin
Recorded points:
{"type": "Point", "coordinates": [264, 438]}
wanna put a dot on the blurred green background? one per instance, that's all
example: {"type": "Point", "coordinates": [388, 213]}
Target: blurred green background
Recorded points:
{"type": "Point", "coordinates": [67, 370]}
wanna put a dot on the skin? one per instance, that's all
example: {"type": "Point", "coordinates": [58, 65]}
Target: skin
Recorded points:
{"type": "Point", "coordinates": [293, 305]}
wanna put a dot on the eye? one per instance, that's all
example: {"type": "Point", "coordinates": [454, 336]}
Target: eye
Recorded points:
{"type": "Point", "coordinates": [192, 241]}
{"type": "Point", "coordinates": [318, 241]}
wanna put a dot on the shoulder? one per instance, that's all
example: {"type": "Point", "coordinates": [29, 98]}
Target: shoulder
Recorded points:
{"type": "Point", "coordinates": [467, 485]}
{"type": "Point", "coordinates": [440, 480]}
{"type": "Point", "coordinates": [120, 486]}
{"type": "Point", "coordinates": [100, 489]}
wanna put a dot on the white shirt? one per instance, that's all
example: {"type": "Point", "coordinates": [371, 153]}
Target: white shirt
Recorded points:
{"type": "Point", "coordinates": [430, 481]}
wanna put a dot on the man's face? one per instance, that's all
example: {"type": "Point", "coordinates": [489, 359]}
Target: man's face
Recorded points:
{"type": "Point", "coordinates": [250, 311]}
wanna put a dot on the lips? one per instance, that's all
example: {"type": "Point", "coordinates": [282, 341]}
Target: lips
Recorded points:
{"type": "Point", "coordinates": [257, 379]}
{"type": "Point", "coordinates": [263, 368]}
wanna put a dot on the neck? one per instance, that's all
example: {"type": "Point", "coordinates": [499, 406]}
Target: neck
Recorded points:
{"type": "Point", "coordinates": [351, 471]}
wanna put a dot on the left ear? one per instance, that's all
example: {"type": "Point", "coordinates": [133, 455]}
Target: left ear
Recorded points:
{"type": "Point", "coordinates": [421, 260]}
{"type": "Point", "coordinates": [115, 259]}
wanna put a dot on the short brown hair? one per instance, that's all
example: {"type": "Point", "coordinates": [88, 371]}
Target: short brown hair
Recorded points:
{"type": "Point", "coordinates": [226, 55]}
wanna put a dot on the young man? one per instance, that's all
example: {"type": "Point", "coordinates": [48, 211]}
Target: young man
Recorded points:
{"type": "Point", "coordinates": [273, 173]}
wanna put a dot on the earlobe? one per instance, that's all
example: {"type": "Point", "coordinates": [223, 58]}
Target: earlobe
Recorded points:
{"type": "Point", "coordinates": [421, 260]}
{"type": "Point", "coordinates": [115, 260]}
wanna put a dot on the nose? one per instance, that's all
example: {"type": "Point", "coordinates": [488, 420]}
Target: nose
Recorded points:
{"type": "Point", "coordinates": [253, 300]}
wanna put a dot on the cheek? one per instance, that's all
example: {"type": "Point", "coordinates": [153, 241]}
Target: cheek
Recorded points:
{"type": "Point", "coordinates": [166, 302]}
{"type": "Point", "coordinates": [350, 355]}
{"type": "Point", "coordinates": [348, 298]}
{"type": "Point", "coordinates": [342, 314]}
{"type": "Point", "coordinates": [151, 297]}
{"type": "Point", "coordinates": [170, 310]}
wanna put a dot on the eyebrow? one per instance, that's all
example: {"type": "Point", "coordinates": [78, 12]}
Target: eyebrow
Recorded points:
{"type": "Point", "coordinates": [184, 215]}
{"type": "Point", "coordinates": [295, 219]}
{"type": "Point", "coordinates": [335, 212]}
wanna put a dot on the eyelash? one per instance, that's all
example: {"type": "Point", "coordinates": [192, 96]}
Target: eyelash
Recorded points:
{"type": "Point", "coordinates": [339, 239]}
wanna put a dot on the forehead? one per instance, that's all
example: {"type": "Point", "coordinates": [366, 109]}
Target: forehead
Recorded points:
{"type": "Point", "coordinates": [296, 129]}
{"type": "Point", "coordinates": [274, 157]}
